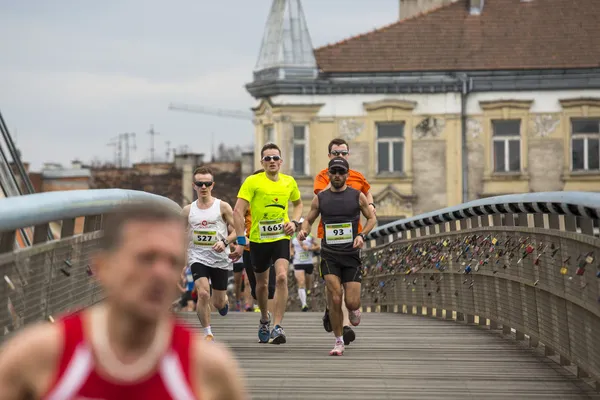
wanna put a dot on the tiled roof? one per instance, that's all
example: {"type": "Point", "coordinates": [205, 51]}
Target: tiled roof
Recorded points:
{"type": "Point", "coordinates": [507, 35]}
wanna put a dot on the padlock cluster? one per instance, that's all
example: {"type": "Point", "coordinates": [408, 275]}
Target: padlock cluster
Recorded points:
{"type": "Point", "coordinates": [470, 254]}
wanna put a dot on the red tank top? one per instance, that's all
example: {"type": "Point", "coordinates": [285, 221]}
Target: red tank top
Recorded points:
{"type": "Point", "coordinates": [77, 378]}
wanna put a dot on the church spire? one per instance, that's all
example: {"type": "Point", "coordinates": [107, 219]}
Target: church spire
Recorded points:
{"type": "Point", "coordinates": [286, 51]}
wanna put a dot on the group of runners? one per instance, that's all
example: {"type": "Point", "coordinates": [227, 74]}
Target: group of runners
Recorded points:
{"type": "Point", "coordinates": [130, 345]}
{"type": "Point", "coordinates": [261, 239]}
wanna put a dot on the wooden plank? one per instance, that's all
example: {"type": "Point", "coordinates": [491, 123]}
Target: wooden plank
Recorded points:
{"type": "Point", "coordinates": [394, 356]}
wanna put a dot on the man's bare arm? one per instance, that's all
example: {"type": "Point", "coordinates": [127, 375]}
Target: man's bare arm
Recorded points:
{"type": "Point", "coordinates": [297, 211]}
{"type": "Point", "coordinates": [239, 212]}
{"type": "Point", "coordinates": [185, 212]}
{"type": "Point", "coordinates": [365, 208]}
{"type": "Point", "coordinates": [28, 361]}
{"type": "Point", "coordinates": [313, 213]}
{"type": "Point", "coordinates": [227, 213]}
{"type": "Point", "coordinates": [221, 378]}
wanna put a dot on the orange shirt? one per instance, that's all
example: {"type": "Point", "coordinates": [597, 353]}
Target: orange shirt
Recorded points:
{"type": "Point", "coordinates": [355, 180]}
{"type": "Point", "coordinates": [247, 225]}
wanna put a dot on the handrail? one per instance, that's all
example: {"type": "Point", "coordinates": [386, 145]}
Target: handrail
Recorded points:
{"type": "Point", "coordinates": [40, 208]}
{"type": "Point", "coordinates": [579, 204]}
{"type": "Point", "coordinates": [517, 262]}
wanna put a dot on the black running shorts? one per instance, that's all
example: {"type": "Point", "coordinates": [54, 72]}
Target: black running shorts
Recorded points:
{"type": "Point", "coordinates": [238, 267]}
{"type": "Point", "coordinates": [307, 268]}
{"type": "Point", "coordinates": [346, 267]}
{"type": "Point", "coordinates": [263, 255]}
{"type": "Point", "coordinates": [218, 277]}
{"type": "Point", "coordinates": [252, 278]}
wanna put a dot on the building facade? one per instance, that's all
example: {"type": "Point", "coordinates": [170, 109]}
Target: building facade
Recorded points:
{"type": "Point", "coordinates": [461, 101]}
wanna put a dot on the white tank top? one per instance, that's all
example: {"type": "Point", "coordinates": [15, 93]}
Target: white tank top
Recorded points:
{"type": "Point", "coordinates": [301, 256]}
{"type": "Point", "coordinates": [207, 228]}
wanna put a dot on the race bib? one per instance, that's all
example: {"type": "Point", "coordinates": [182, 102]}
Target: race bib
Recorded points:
{"type": "Point", "coordinates": [205, 238]}
{"type": "Point", "coordinates": [339, 233]}
{"type": "Point", "coordinates": [304, 256]}
{"type": "Point", "coordinates": [190, 278]}
{"type": "Point", "coordinates": [271, 229]}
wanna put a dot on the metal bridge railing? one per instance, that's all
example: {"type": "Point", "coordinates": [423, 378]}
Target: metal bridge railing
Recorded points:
{"type": "Point", "coordinates": [528, 263]}
{"type": "Point", "coordinates": [53, 277]}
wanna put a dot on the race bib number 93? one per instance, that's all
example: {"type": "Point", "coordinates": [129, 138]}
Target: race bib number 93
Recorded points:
{"type": "Point", "coordinates": [339, 233]}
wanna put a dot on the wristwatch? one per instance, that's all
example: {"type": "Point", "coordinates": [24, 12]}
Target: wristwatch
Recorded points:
{"type": "Point", "coordinates": [225, 241]}
{"type": "Point", "coordinates": [363, 236]}
{"type": "Point", "coordinates": [296, 223]}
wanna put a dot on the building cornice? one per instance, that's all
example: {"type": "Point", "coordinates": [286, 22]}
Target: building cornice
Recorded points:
{"type": "Point", "coordinates": [439, 82]}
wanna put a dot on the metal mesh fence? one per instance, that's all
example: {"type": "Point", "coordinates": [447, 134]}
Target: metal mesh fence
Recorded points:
{"type": "Point", "coordinates": [542, 283]}
{"type": "Point", "coordinates": [47, 280]}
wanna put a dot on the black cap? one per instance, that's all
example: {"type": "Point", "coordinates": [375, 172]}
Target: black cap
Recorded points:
{"type": "Point", "coordinates": [339, 162]}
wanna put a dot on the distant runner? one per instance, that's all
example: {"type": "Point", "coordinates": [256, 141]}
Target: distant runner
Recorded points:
{"type": "Point", "coordinates": [302, 257]}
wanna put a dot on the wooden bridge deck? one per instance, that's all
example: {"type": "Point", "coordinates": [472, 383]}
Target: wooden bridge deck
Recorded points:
{"type": "Point", "coordinates": [395, 356]}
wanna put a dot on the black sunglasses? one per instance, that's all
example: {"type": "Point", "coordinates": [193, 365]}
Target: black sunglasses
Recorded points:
{"type": "Point", "coordinates": [201, 184]}
{"type": "Point", "coordinates": [339, 171]}
{"type": "Point", "coordinates": [269, 158]}
{"type": "Point", "coordinates": [339, 153]}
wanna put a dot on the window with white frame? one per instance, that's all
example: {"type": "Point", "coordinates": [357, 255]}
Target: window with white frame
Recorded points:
{"type": "Point", "coordinates": [585, 144]}
{"type": "Point", "coordinates": [268, 134]}
{"type": "Point", "coordinates": [506, 145]}
{"type": "Point", "coordinates": [390, 147]}
{"type": "Point", "coordinates": [300, 151]}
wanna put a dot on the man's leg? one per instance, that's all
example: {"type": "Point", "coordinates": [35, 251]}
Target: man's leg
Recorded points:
{"type": "Point", "coordinates": [299, 274]}
{"type": "Point", "coordinates": [220, 301]}
{"type": "Point", "coordinates": [272, 291]}
{"type": "Point", "coordinates": [260, 254]}
{"type": "Point", "coordinates": [352, 302]}
{"type": "Point", "coordinates": [351, 280]}
{"type": "Point", "coordinates": [251, 277]}
{"type": "Point", "coordinates": [333, 288]}
{"type": "Point", "coordinates": [281, 290]}
{"type": "Point", "coordinates": [326, 320]}
{"type": "Point", "coordinates": [349, 334]}
{"type": "Point", "coordinates": [203, 306]}
{"type": "Point", "coordinates": [308, 277]}
{"type": "Point", "coordinates": [281, 255]}
{"type": "Point", "coordinates": [237, 285]}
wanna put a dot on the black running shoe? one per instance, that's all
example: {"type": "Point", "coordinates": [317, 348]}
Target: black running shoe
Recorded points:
{"type": "Point", "coordinates": [327, 322]}
{"type": "Point", "coordinates": [348, 335]}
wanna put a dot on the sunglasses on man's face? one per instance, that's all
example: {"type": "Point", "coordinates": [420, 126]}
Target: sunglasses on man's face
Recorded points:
{"type": "Point", "coordinates": [337, 171]}
{"type": "Point", "coordinates": [269, 158]}
{"type": "Point", "coordinates": [202, 184]}
{"type": "Point", "coordinates": [338, 153]}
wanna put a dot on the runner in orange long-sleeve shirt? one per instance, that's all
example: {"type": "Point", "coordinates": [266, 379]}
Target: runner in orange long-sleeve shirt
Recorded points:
{"type": "Point", "coordinates": [356, 180]}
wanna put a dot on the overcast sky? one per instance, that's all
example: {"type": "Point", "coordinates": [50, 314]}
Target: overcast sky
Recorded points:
{"type": "Point", "coordinates": [75, 73]}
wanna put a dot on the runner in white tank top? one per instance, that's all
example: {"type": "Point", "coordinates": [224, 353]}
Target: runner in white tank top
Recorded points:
{"type": "Point", "coordinates": [210, 220]}
{"type": "Point", "coordinates": [303, 253]}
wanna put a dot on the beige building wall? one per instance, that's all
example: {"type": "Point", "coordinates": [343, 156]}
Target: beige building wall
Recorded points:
{"type": "Point", "coordinates": [431, 173]}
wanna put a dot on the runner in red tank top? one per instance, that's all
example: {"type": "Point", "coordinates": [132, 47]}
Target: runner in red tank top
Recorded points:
{"type": "Point", "coordinates": [128, 347]}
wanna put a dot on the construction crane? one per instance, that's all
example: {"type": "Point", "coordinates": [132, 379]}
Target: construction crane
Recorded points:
{"type": "Point", "coordinates": [219, 112]}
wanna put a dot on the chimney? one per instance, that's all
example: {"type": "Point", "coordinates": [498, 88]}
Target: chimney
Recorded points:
{"type": "Point", "coordinates": [475, 7]}
{"type": "Point", "coordinates": [411, 8]}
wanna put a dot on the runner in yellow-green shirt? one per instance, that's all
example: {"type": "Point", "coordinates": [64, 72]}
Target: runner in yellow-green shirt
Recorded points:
{"type": "Point", "coordinates": [267, 194]}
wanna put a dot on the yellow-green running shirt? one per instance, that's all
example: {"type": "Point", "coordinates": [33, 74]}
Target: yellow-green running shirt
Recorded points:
{"type": "Point", "coordinates": [268, 205]}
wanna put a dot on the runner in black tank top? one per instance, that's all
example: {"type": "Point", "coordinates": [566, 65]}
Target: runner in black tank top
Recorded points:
{"type": "Point", "coordinates": [340, 207]}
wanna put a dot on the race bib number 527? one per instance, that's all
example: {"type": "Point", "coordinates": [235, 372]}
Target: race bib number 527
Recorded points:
{"type": "Point", "coordinates": [205, 238]}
